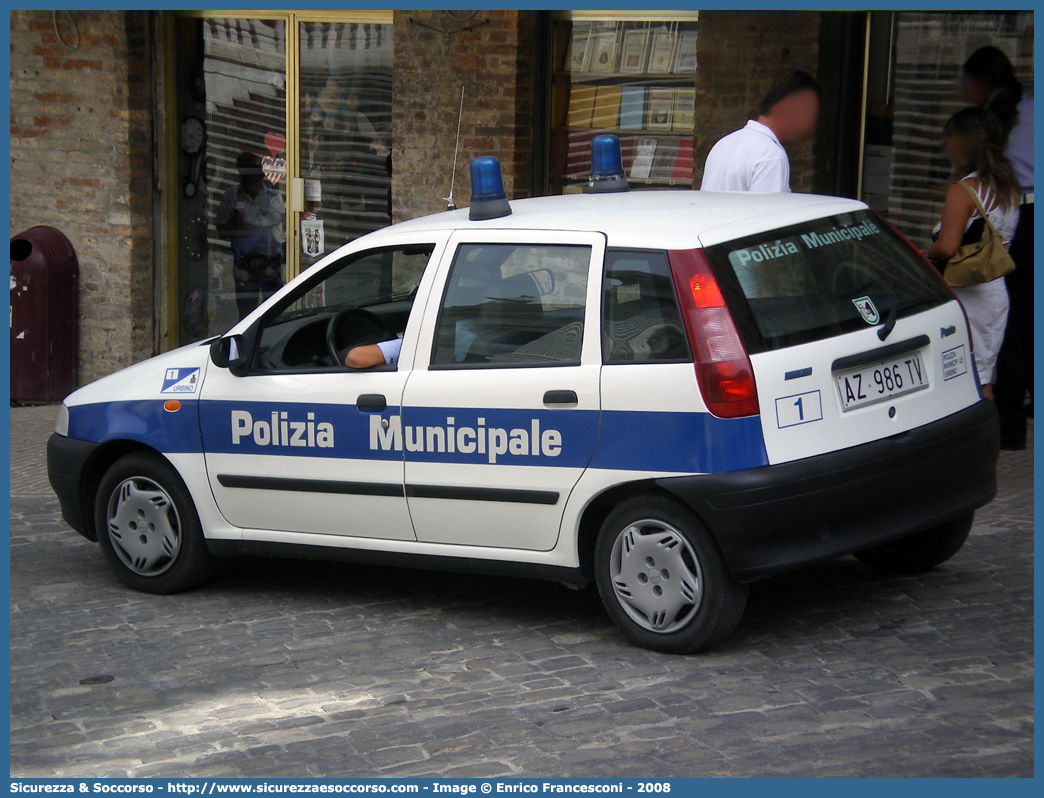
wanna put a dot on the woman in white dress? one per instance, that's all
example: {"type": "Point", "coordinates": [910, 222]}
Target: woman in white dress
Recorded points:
{"type": "Point", "coordinates": [974, 140]}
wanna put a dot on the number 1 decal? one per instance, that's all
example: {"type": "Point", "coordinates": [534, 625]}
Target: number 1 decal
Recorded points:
{"type": "Point", "coordinates": [800, 408]}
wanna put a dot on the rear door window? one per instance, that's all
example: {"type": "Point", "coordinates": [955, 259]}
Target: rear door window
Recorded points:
{"type": "Point", "coordinates": [641, 322]}
{"type": "Point", "coordinates": [821, 279]}
{"type": "Point", "coordinates": [513, 305]}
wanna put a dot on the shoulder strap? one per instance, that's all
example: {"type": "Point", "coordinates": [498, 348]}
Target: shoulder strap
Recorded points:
{"type": "Point", "coordinates": [978, 204]}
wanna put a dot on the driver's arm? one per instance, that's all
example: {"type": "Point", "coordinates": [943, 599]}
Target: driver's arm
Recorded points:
{"type": "Point", "coordinates": [362, 357]}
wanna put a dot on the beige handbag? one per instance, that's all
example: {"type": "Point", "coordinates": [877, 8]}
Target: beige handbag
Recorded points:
{"type": "Point", "coordinates": [982, 262]}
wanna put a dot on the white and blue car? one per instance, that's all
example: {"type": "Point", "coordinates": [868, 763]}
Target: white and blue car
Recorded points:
{"type": "Point", "coordinates": [670, 394]}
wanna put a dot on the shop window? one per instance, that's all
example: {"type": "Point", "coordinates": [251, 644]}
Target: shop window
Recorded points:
{"type": "Point", "coordinates": [261, 196]}
{"type": "Point", "coordinates": [629, 76]}
{"type": "Point", "coordinates": [905, 169]}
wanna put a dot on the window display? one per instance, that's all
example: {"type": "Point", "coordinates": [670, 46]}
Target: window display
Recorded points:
{"type": "Point", "coordinates": [628, 76]}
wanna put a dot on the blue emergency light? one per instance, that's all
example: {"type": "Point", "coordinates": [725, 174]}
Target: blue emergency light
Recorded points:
{"type": "Point", "coordinates": [488, 198]}
{"type": "Point", "coordinates": [607, 172]}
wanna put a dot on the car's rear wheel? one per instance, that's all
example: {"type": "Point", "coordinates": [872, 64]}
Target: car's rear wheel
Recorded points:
{"type": "Point", "coordinates": [663, 579]}
{"type": "Point", "coordinates": [920, 552]}
{"type": "Point", "coordinates": [148, 526]}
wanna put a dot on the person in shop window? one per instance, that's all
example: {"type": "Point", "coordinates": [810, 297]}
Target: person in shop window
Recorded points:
{"type": "Point", "coordinates": [252, 218]}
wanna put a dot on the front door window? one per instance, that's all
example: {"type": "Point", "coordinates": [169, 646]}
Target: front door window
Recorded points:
{"type": "Point", "coordinates": [365, 299]}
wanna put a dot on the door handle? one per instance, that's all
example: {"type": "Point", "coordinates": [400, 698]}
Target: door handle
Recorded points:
{"type": "Point", "coordinates": [560, 398]}
{"type": "Point", "coordinates": [372, 403]}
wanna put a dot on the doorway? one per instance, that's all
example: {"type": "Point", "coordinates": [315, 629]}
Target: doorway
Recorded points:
{"type": "Point", "coordinates": [278, 152]}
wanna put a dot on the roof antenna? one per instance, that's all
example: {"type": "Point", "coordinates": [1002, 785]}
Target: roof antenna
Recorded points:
{"type": "Point", "coordinates": [450, 204]}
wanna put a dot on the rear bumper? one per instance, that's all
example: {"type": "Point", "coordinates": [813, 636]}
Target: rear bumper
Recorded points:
{"type": "Point", "coordinates": [780, 517]}
{"type": "Point", "coordinates": [66, 460]}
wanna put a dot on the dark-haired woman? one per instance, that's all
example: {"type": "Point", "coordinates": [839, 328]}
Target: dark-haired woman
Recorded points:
{"type": "Point", "coordinates": [974, 141]}
{"type": "Point", "coordinates": [988, 81]}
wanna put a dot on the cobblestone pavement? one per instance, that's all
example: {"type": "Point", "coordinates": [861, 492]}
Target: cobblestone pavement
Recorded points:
{"type": "Point", "coordinates": [296, 669]}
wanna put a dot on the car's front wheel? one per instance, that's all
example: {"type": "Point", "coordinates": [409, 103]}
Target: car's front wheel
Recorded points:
{"type": "Point", "coordinates": [148, 526]}
{"type": "Point", "coordinates": [663, 579]}
{"type": "Point", "coordinates": [920, 552]}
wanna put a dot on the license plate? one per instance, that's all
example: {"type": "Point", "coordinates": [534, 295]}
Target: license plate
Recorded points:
{"type": "Point", "coordinates": [879, 382]}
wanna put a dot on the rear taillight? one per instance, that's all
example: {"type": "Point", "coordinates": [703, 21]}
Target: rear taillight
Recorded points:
{"type": "Point", "coordinates": [935, 273]}
{"type": "Point", "coordinates": [723, 368]}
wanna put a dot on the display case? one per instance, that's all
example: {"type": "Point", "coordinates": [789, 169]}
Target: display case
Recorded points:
{"type": "Point", "coordinates": [627, 74]}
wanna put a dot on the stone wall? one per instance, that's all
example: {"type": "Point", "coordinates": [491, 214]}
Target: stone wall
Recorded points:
{"type": "Point", "coordinates": [741, 54]}
{"type": "Point", "coordinates": [81, 161]}
{"type": "Point", "coordinates": [495, 62]}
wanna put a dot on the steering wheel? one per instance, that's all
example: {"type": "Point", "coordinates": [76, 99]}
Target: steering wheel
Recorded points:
{"type": "Point", "coordinates": [380, 329]}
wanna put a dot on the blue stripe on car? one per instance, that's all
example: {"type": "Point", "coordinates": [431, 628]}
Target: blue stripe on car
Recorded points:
{"type": "Point", "coordinates": [626, 440]}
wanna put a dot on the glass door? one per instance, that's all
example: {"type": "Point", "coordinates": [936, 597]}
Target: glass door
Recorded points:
{"type": "Point", "coordinates": [278, 152]}
{"type": "Point", "coordinates": [345, 91]}
{"type": "Point", "coordinates": [231, 233]}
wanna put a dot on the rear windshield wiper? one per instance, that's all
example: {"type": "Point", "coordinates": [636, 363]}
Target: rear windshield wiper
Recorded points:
{"type": "Point", "coordinates": [889, 323]}
{"type": "Point", "coordinates": [892, 316]}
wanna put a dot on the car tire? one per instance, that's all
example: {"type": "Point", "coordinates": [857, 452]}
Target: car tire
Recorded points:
{"type": "Point", "coordinates": [663, 579]}
{"type": "Point", "coordinates": [920, 552]}
{"type": "Point", "coordinates": [148, 527]}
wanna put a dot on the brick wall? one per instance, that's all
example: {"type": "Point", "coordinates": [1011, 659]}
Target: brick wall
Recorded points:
{"type": "Point", "coordinates": [496, 64]}
{"type": "Point", "coordinates": [742, 53]}
{"type": "Point", "coordinates": [81, 161]}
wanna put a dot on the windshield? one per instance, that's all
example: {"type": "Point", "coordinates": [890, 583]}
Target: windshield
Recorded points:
{"type": "Point", "coordinates": [821, 278]}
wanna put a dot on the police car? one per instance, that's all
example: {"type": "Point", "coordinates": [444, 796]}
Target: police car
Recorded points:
{"type": "Point", "coordinates": [670, 394]}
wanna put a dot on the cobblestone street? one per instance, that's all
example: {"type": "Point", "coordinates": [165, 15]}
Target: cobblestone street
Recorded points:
{"type": "Point", "coordinates": [296, 669]}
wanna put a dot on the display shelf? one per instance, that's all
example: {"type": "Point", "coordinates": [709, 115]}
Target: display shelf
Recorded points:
{"type": "Point", "coordinates": [645, 94]}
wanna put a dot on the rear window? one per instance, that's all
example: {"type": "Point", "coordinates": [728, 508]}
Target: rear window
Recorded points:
{"type": "Point", "coordinates": [820, 279]}
{"type": "Point", "coordinates": [641, 322]}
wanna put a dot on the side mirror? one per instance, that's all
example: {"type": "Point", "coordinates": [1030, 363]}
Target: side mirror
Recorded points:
{"type": "Point", "coordinates": [228, 352]}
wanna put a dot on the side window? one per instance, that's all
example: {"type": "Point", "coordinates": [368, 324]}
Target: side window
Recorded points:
{"type": "Point", "coordinates": [513, 304]}
{"type": "Point", "coordinates": [375, 278]}
{"type": "Point", "coordinates": [367, 297]}
{"type": "Point", "coordinates": [641, 322]}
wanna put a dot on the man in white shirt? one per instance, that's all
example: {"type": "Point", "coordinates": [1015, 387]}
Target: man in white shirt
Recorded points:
{"type": "Point", "coordinates": [753, 158]}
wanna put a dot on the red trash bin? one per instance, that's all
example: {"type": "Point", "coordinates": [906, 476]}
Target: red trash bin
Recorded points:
{"type": "Point", "coordinates": [44, 329]}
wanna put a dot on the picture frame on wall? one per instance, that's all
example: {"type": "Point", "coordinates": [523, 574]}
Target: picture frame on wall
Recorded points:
{"type": "Point", "coordinates": [661, 52]}
{"type": "Point", "coordinates": [633, 53]}
{"type": "Point", "coordinates": [603, 45]}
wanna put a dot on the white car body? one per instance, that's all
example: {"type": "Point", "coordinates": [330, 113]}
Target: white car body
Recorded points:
{"type": "Point", "coordinates": [267, 476]}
